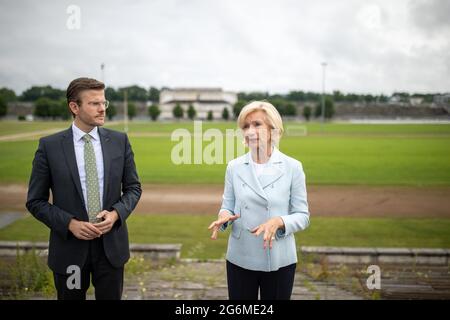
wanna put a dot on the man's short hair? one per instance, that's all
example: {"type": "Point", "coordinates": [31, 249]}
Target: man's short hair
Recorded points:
{"type": "Point", "coordinates": [79, 85]}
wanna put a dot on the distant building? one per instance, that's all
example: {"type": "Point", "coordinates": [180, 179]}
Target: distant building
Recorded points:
{"type": "Point", "coordinates": [202, 99]}
{"type": "Point", "coordinates": [442, 99]}
{"type": "Point", "coordinates": [395, 99]}
{"type": "Point", "coordinates": [415, 101]}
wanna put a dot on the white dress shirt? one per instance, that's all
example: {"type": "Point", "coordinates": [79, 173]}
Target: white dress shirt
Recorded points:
{"type": "Point", "coordinates": [259, 168]}
{"type": "Point", "coordinates": [262, 169]}
{"type": "Point", "coordinates": [78, 143]}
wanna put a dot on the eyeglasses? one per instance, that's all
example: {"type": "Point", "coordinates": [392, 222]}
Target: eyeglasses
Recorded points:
{"type": "Point", "coordinates": [98, 104]}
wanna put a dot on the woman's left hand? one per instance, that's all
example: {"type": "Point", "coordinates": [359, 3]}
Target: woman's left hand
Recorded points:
{"type": "Point", "coordinates": [269, 228]}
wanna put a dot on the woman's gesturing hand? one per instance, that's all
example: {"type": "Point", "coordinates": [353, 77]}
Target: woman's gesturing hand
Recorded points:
{"type": "Point", "coordinates": [269, 228]}
{"type": "Point", "coordinates": [224, 217]}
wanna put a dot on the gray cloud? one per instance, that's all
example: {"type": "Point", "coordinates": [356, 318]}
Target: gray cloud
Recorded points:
{"type": "Point", "coordinates": [376, 47]}
{"type": "Point", "coordinates": [431, 16]}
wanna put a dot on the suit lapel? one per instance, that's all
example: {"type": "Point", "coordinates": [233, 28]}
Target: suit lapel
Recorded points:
{"type": "Point", "coordinates": [248, 176]}
{"type": "Point", "coordinates": [266, 180]}
{"type": "Point", "coordinates": [71, 160]}
{"type": "Point", "coordinates": [106, 151]}
{"type": "Point", "coordinates": [275, 165]}
{"type": "Point", "coordinates": [246, 173]}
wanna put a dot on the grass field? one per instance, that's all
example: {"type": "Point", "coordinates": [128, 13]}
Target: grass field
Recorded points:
{"type": "Point", "coordinates": [192, 233]}
{"type": "Point", "coordinates": [350, 154]}
{"type": "Point", "coordinates": [12, 127]}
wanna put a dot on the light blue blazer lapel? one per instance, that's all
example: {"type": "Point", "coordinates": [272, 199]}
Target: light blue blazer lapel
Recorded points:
{"type": "Point", "coordinates": [276, 166]}
{"type": "Point", "coordinates": [246, 174]}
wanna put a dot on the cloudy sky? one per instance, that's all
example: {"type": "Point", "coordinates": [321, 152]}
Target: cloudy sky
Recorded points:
{"type": "Point", "coordinates": [276, 46]}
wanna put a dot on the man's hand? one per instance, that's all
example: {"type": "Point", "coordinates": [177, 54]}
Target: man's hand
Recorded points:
{"type": "Point", "coordinates": [269, 228]}
{"type": "Point", "coordinates": [84, 230]}
{"type": "Point", "coordinates": [224, 216]}
{"type": "Point", "coordinates": [110, 217]}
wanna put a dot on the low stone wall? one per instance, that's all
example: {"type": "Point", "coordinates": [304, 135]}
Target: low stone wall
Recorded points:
{"type": "Point", "coordinates": [152, 251]}
{"type": "Point", "coordinates": [419, 256]}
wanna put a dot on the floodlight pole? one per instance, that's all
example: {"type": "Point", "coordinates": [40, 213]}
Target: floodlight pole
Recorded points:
{"type": "Point", "coordinates": [324, 65]}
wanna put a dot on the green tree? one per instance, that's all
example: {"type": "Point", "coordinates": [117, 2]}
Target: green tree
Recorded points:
{"type": "Point", "coordinates": [210, 116]}
{"type": "Point", "coordinates": [225, 114]}
{"type": "Point", "coordinates": [290, 110]}
{"type": "Point", "coordinates": [404, 96]}
{"type": "Point", "coordinates": [111, 111]}
{"type": "Point", "coordinates": [153, 94]}
{"type": "Point", "coordinates": [3, 108]}
{"type": "Point", "coordinates": [279, 104]}
{"type": "Point", "coordinates": [296, 96]}
{"type": "Point", "coordinates": [134, 93]}
{"type": "Point", "coordinates": [307, 112]}
{"type": "Point", "coordinates": [131, 110]}
{"type": "Point", "coordinates": [191, 113]}
{"type": "Point", "coordinates": [42, 107]}
{"type": "Point", "coordinates": [37, 92]}
{"type": "Point", "coordinates": [252, 96]}
{"type": "Point", "coordinates": [238, 107]}
{"type": "Point", "coordinates": [48, 108]}
{"type": "Point", "coordinates": [338, 96]}
{"type": "Point", "coordinates": [154, 112]}
{"type": "Point", "coordinates": [329, 108]}
{"type": "Point", "coordinates": [178, 111]}
{"type": "Point", "coordinates": [112, 95]}
{"type": "Point", "coordinates": [54, 109]}
{"type": "Point", "coordinates": [318, 109]}
{"type": "Point", "coordinates": [64, 111]}
{"type": "Point", "coordinates": [7, 95]}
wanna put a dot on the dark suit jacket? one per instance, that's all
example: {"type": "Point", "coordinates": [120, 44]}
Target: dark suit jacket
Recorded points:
{"type": "Point", "coordinates": [55, 169]}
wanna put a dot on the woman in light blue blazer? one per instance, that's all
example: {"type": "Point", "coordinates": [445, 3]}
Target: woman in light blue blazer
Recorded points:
{"type": "Point", "coordinates": [265, 203]}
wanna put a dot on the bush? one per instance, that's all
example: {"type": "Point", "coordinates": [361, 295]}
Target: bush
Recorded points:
{"type": "Point", "coordinates": [307, 112]}
{"type": "Point", "coordinates": [329, 108]}
{"type": "Point", "coordinates": [29, 274]}
{"type": "Point", "coordinates": [111, 111]}
{"type": "Point", "coordinates": [131, 110]}
{"type": "Point", "coordinates": [238, 107]}
{"type": "Point", "coordinates": [290, 110]}
{"type": "Point", "coordinates": [225, 114]}
{"type": "Point", "coordinates": [3, 107]}
{"type": "Point", "coordinates": [154, 112]}
{"type": "Point", "coordinates": [178, 112]}
{"type": "Point", "coordinates": [191, 112]}
{"type": "Point", "coordinates": [48, 108]}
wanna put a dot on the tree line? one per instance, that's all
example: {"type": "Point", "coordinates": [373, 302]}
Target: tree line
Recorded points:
{"type": "Point", "coordinates": [51, 102]}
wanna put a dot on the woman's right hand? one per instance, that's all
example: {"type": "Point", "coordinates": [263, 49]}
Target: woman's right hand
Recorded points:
{"type": "Point", "coordinates": [224, 217]}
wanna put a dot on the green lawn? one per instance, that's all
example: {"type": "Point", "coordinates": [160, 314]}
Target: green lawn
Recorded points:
{"type": "Point", "coordinates": [413, 155]}
{"type": "Point", "coordinates": [313, 128]}
{"type": "Point", "coordinates": [13, 127]}
{"type": "Point", "coordinates": [191, 231]}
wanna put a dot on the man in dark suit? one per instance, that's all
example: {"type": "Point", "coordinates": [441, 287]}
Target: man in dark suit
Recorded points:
{"type": "Point", "coordinates": [92, 175]}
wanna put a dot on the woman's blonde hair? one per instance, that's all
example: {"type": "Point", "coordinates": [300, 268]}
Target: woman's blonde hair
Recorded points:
{"type": "Point", "coordinates": [273, 118]}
